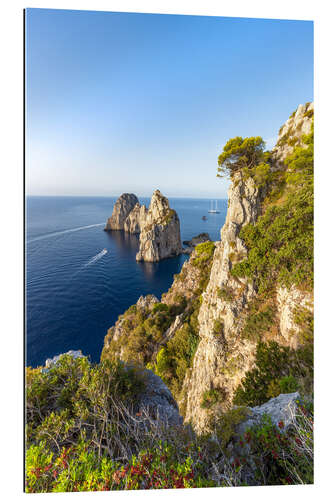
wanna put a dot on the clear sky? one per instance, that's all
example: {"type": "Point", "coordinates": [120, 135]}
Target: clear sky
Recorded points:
{"type": "Point", "coordinates": [121, 102]}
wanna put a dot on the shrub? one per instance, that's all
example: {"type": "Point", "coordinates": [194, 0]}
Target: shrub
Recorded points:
{"type": "Point", "coordinates": [258, 322]}
{"type": "Point", "coordinates": [204, 253]}
{"type": "Point", "coordinates": [77, 468]}
{"type": "Point", "coordinates": [218, 328]}
{"type": "Point", "coordinates": [223, 425]}
{"type": "Point", "coordinates": [175, 358]}
{"type": "Point", "coordinates": [277, 368]}
{"type": "Point", "coordinates": [225, 293]}
{"type": "Point", "coordinates": [283, 457]}
{"type": "Point", "coordinates": [211, 397]}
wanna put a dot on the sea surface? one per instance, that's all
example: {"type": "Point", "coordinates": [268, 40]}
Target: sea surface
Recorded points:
{"type": "Point", "coordinates": [79, 278]}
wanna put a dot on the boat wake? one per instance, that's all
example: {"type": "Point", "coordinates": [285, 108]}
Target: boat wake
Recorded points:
{"type": "Point", "coordinates": [96, 258]}
{"type": "Point", "coordinates": [58, 233]}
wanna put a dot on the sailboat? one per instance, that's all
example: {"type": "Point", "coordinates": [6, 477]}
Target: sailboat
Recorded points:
{"type": "Point", "coordinates": [212, 209]}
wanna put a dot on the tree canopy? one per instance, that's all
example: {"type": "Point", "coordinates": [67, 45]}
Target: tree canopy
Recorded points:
{"type": "Point", "coordinates": [239, 153]}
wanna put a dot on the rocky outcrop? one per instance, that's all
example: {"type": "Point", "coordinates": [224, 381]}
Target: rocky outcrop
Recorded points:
{"type": "Point", "coordinates": [288, 303]}
{"type": "Point", "coordinates": [280, 409]}
{"type": "Point", "coordinates": [219, 318]}
{"type": "Point", "coordinates": [123, 206]}
{"type": "Point", "coordinates": [224, 354]}
{"type": "Point", "coordinates": [117, 332]}
{"type": "Point", "coordinates": [160, 234]}
{"type": "Point", "coordinates": [185, 284]}
{"type": "Point", "coordinates": [291, 133]}
{"type": "Point", "coordinates": [136, 219]}
{"type": "Point", "coordinates": [157, 399]}
{"type": "Point", "coordinates": [196, 240]}
{"type": "Point", "coordinates": [50, 362]}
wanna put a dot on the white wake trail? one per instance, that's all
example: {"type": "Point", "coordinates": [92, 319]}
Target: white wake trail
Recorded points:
{"type": "Point", "coordinates": [96, 258]}
{"type": "Point", "coordinates": [58, 233]}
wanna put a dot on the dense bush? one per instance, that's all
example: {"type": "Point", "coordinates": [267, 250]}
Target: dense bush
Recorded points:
{"type": "Point", "coordinates": [259, 319]}
{"type": "Point", "coordinates": [283, 457]}
{"type": "Point", "coordinates": [74, 398]}
{"type": "Point", "coordinates": [211, 397]}
{"type": "Point", "coordinates": [142, 330]}
{"type": "Point", "coordinates": [203, 255]}
{"type": "Point", "coordinates": [175, 358]}
{"type": "Point", "coordinates": [277, 369]}
{"type": "Point", "coordinates": [84, 433]}
{"type": "Point", "coordinates": [77, 469]}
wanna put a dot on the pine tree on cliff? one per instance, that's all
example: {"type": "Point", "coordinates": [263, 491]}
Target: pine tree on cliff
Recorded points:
{"type": "Point", "coordinates": [239, 153]}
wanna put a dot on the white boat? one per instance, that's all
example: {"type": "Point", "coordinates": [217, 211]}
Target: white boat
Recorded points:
{"type": "Point", "coordinates": [212, 209]}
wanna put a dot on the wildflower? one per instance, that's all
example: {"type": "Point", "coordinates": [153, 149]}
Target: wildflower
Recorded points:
{"type": "Point", "coordinates": [281, 424]}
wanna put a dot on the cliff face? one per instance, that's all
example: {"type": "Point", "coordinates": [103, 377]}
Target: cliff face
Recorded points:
{"type": "Point", "coordinates": [223, 356]}
{"type": "Point", "coordinates": [160, 233]}
{"type": "Point", "coordinates": [136, 219]}
{"type": "Point", "coordinates": [290, 134]}
{"type": "Point", "coordinates": [123, 206]}
{"type": "Point", "coordinates": [219, 318]}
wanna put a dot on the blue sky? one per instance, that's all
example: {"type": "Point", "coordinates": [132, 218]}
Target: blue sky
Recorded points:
{"type": "Point", "coordinates": [133, 102]}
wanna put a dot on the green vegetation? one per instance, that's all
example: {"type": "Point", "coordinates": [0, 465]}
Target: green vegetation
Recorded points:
{"type": "Point", "coordinates": [225, 293]}
{"type": "Point", "coordinates": [204, 253]}
{"type": "Point", "coordinates": [278, 369]}
{"type": "Point", "coordinates": [239, 153]}
{"type": "Point", "coordinates": [167, 219]}
{"type": "Point", "coordinates": [259, 319]}
{"type": "Point", "coordinates": [280, 244]}
{"type": "Point", "coordinates": [211, 397]}
{"type": "Point", "coordinates": [224, 425]}
{"type": "Point", "coordinates": [143, 329]}
{"type": "Point", "coordinates": [218, 329]}
{"type": "Point", "coordinates": [84, 433]}
{"type": "Point", "coordinates": [175, 358]}
{"type": "Point", "coordinates": [283, 457]}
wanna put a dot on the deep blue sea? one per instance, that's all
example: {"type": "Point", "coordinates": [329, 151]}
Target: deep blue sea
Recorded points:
{"type": "Point", "coordinates": [75, 290]}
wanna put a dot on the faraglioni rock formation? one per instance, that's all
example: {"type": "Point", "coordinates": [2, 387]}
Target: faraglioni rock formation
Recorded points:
{"type": "Point", "coordinates": [158, 226]}
{"type": "Point", "coordinates": [136, 219]}
{"type": "Point", "coordinates": [123, 206]}
{"type": "Point", "coordinates": [160, 233]}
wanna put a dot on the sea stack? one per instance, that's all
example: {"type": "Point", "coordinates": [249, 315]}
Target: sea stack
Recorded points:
{"type": "Point", "coordinates": [136, 219]}
{"type": "Point", "coordinates": [123, 206]}
{"type": "Point", "coordinates": [160, 233]}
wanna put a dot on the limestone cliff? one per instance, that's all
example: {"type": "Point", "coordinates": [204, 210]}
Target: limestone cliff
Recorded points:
{"type": "Point", "coordinates": [160, 233]}
{"type": "Point", "coordinates": [123, 206]}
{"type": "Point", "coordinates": [136, 219]}
{"type": "Point", "coordinates": [291, 132]}
{"type": "Point", "coordinates": [223, 355]}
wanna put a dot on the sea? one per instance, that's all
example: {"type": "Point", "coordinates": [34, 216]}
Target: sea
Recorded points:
{"type": "Point", "coordinates": [79, 278]}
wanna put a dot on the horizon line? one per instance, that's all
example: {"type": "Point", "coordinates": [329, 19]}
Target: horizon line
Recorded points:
{"type": "Point", "coordinates": [113, 196]}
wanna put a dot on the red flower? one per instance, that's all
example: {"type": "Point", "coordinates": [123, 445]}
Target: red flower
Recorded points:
{"type": "Point", "coordinates": [281, 424]}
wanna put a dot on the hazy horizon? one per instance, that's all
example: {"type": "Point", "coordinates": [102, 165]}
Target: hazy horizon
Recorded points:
{"type": "Point", "coordinates": [124, 102]}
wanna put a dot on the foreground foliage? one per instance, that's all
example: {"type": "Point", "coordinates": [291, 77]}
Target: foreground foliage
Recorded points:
{"type": "Point", "coordinates": [85, 434]}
